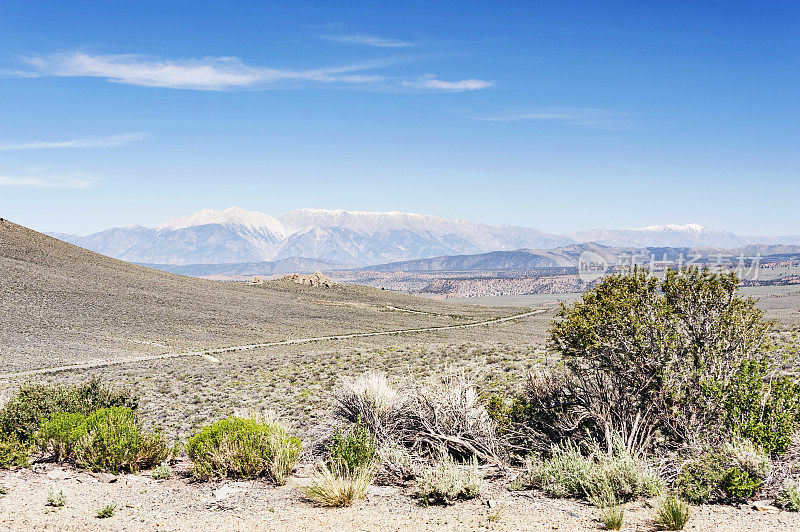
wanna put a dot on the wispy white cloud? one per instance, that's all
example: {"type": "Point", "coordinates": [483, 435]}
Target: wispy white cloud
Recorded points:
{"type": "Point", "coordinates": [210, 73]}
{"type": "Point", "coordinates": [431, 82]}
{"type": "Point", "coordinates": [573, 116]}
{"type": "Point", "coordinates": [8, 73]}
{"type": "Point", "coordinates": [368, 40]}
{"type": "Point", "coordinates": [112, 141]}
{"type": "Point", "coordinates": [45, 182]}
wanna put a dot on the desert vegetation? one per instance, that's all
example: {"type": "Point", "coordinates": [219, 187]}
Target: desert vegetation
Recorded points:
{"type": "Point", "coordinates": [248, 446]}
{"type": "Point", "coordinates": [672, 390]}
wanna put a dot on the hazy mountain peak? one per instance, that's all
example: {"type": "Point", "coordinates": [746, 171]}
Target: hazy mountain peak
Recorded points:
{"type": "Point", "coordinates": [366, 237]}
{"type": "Point", "coordinates": [231, 215]}
{"type": "Point", "coordinates": [369, 221]}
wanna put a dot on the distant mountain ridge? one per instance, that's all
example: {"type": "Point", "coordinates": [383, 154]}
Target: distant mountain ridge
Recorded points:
{"type": "Point", "coordinates": [247, 269]}
{"type": "Point", "coordinates": [568, 257]}
{"type": "Point", "coordinates": [364, 238]}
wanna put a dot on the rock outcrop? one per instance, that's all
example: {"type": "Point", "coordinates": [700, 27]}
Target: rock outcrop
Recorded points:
{"type": "Point", "coordinates": [315, 279]}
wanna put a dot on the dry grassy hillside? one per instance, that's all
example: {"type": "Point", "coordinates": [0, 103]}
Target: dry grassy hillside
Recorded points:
{"type": "Point", "coordinates": [60, 304]}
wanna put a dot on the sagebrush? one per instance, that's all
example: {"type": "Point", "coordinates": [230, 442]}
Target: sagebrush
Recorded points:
{"type": "Point", "coordinates": [570, 472]}
{"type": "Point", "coordinates": [447, 481]}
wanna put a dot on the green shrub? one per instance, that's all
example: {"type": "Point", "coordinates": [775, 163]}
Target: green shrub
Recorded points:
{"type": "Point", "coordinates": [447, 481]}
{"type": "Point", "coordinates": [738, 484]}
{"type": "Point", "coordinates": [655, 359]}
{"type": "Point", "coordinates": [337, 486]}
{"type": "Point", "coordinates": [748, 457]}
{"type": "Point", "coordinates": [757, 405]}
{"type": "Point", "coordinates": [108, 439]}
{"type": "Point", "coordinates": [789, 496]}
{"type": "Point", "coordinates": [13, 452]}
{"type": "Point", "coordinates": [564, 474]}
{"type": "Point", "coordinates": [570, 473]}
{"type": "Point", "coordinates": [240, 447]}
{"type": "Point", "coordinates": [57, 435]}
{"type": "Point", "coordinates": [734, 473]}
{"type": "Point", "coordinates": [353, 449]}
{"type": "Point", "coordinates": [107, 510]}
{"type": "Point", "coordinates": [700, 478]}
{"type": "Point", "coordinates": [35, 403]}
{"type": "Point", "coordinates": [671, 513]}
{"type": "Point", "coordinates": [162, 472]}
{"type": "Point", "coordinates": [56, 499]}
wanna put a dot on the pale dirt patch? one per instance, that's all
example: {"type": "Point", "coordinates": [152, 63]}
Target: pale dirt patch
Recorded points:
{"type": "Point", "coordinates": [181, 504]}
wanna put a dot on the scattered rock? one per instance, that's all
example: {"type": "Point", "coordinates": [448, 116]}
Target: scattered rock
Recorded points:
{"type": "Point", "coordinates": [764, 506]}
{"type": "Point", "coordinates": [226, 491]}
{"type": "Point", "coordinates": [492, 503]}
{"type": "Point", "coordinates": [58, 474]}
{"type": "Point", "coordinates": [315, 279]}
{"type": "Point", "coordinates": [105, 477]}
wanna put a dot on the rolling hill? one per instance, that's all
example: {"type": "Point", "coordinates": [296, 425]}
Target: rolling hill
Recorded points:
{"type": "Point", "coordinates": [60, 304]}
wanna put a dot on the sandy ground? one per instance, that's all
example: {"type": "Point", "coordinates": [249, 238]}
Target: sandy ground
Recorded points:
{"type": "Point", "coordinates": [182, 504]}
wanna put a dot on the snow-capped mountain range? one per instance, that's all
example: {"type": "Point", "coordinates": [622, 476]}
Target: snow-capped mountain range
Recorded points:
{"type": "Point", "coordinates": [363, 238]}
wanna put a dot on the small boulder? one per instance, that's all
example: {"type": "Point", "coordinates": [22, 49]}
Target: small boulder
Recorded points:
{"type": "Point", "coordinates": [764, 506]}
{"type": "Point", "coordinates": [58, 474]}
{"type": "Point", "coordinates": [226, 491]}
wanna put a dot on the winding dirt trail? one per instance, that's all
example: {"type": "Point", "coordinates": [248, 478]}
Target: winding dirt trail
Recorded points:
{"type": "Point", "coordinates": [206, 353]}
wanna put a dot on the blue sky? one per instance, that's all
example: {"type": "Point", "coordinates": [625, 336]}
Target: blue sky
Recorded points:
{"type": "Point", "coordinates": [559, 115]}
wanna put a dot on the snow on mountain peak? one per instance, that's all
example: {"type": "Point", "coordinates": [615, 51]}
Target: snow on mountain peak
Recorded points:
{"type": "Point", "coordinates": [686, 228]}
{"type": "Point", "coordinates": [367, 221]}
{"type": "Point", "coordinates": [231, 215]}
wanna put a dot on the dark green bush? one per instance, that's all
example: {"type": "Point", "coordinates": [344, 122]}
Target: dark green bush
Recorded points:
{"type": "Point", "coordinates": [700, 478]}
{"type": "Point", "coordinates": [13, 453]}
{"type": "Point", "coordinates": [108, 439]}
{"type": "Point", "coordinates": [715, 477]}
{"type": "Point", "coordinates": [243, 448]}
{"type": "Point", "coordinates": [35, 403]}
{"type": "Point", "coordinates": [676, 361]}
{"type": "Point", "coordinates": [738, 484]}
{"type": "Point", "coordinates": [353, 449]}
{"type": "Point", "coordinates": [758, 405]}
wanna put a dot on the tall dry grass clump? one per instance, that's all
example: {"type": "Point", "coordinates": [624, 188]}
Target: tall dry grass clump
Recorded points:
{"type": "Point", "coordinates": [446, 415]}
{"type": "Point", "coordinates": [671, 513]}
{"type": "Point", "coordinates": [334, 485]}
{"type": "Point", "coordinates": [450, 415]}
{"type": "Point", "coordinates": [371, 401]}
